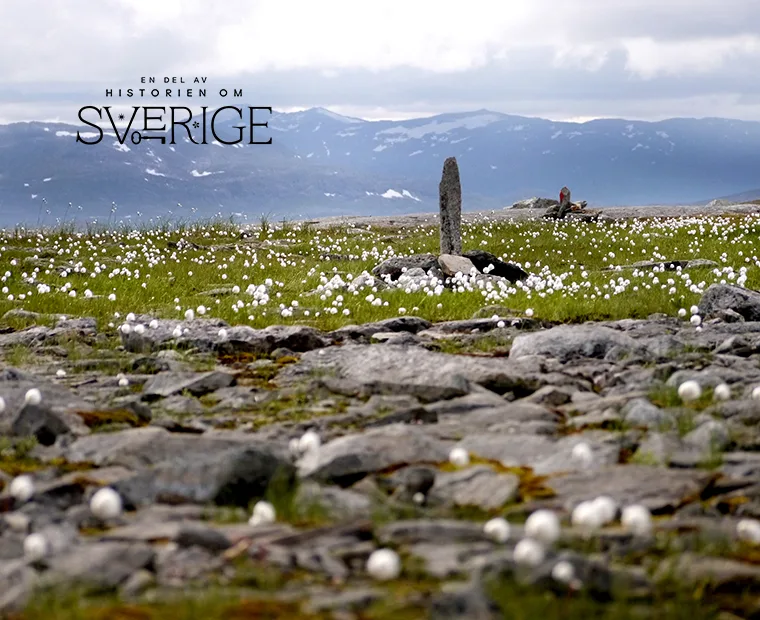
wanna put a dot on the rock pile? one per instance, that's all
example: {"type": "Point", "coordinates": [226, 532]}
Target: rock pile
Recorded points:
{"type": "Point", "coordinates": [536, 203]}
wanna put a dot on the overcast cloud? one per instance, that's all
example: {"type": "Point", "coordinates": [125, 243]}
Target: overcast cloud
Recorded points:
{"type": "Point", "coordinates": [561, 59]}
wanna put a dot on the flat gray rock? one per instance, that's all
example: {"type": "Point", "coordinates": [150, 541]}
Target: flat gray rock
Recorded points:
{"type": "Point", "coordinates": [350, 458]}
{"type": "Point", "coordinates": [658, 488]}
{"type": "Point", "coordinates": [101, 565]}
{"type": "Point", "coordinates": [478, 486]}
{"type": "Point", "coordinates": [435, 531]}
{"type": "Point", "coordinates": [428, 375]}
{"type": "Point", "coordinates": [206, 335]}
{"type": "Point", "coordinates": [451, 265]}
{"type": "Point", "coordinates": [363, 333]}
{"type": "Point", "coordinates": [235, 476]}
{"type": "Point", "coordinates": [184, 533]}
{"type": "Point", "coordinates": [544, 454]}
{"type": "Point", "coordinates": [198, 384]}
{"type": "Point", "coordinates": [572, 341]}
{"type": "Point", "coordinates": [396, 265]}
{"type": "Point", "coordinates": [150, 445]}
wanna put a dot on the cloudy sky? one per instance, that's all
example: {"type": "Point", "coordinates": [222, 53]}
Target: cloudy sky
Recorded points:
{"type": "Point", "coordinates": [559, 59]}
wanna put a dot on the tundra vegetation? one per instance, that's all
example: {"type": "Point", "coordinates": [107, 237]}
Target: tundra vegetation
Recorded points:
{"type": "Point", "coordinates": [201, 369]}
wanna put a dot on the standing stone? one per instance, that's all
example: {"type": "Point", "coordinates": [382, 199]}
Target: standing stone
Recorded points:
{"type": "Point", "coordinates": [565, 205]}
{"type": "Point", "coordinates": [450, 203]}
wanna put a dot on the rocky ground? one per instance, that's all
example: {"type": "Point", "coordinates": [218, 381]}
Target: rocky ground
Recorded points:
{"type": "Point", "coordinates": [191, 426]}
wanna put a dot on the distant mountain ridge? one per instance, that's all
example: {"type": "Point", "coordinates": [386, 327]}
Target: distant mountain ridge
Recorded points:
{"type": "Point", "coordinates": [321, 163]}
{"type": "Point", "coordinates": [748, 196]}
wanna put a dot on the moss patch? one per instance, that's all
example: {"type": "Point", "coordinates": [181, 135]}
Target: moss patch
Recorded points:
{"type": "Point", "coordinates": [96, 419]}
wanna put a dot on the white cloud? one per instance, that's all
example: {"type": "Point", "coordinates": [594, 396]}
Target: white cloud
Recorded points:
{"type": "Point", "coordinates": [390, 60]}
{"type": "Point", "coordinates": [649, 58]}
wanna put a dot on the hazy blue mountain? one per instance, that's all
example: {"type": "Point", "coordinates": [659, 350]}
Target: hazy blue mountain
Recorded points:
{"type": "Point", "coordinates": [321, 163]}
{"type": "Point", "coordinates": [748, 196]}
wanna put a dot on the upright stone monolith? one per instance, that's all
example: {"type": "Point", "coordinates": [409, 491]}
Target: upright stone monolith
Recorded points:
{"type": "Point", "coordinates": [450, 203]}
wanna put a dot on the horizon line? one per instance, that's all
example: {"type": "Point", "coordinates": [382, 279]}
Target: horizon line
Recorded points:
{"type": "Point", "coordinates": [407, 116]}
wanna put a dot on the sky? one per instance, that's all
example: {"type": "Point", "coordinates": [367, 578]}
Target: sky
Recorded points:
{"type": "Point", "coordinates": [558, 59]}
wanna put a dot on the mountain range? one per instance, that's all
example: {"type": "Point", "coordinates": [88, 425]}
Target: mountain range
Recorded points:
{"type": "Point", "coordinates": [321, 163]}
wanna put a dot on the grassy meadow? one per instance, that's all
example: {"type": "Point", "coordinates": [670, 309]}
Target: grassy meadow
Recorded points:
{"type": "Point", "coordinates": [293, 273]}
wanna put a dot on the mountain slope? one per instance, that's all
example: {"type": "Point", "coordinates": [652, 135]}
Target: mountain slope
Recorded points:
{"type": "Point", "coordinates": [321, 163]}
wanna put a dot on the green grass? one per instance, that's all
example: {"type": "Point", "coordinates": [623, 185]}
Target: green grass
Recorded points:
{"type": "Point", "coordinates": [148, 269]}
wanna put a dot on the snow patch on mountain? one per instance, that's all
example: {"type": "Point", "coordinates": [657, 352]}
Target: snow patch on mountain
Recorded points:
{"type": "Point", "coordinates": [394, 194]}
{"type": "Point", "coordinates": [403, 134]}
{"type": "Point", "coordinates": [153, 172]}
{"type": "Point", "coordinates": [84, 134]}
{"type": "Point", "coordinates": [205, 173]}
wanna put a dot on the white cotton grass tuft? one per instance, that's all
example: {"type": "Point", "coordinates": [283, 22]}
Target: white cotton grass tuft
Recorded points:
{"type": "Point", "coordinates": [459, 457]}
{"type": "Point", "coordinates": [2, 404]}
{"type": "Point", "coordinates": [637, 519]}
{"type": "Point", "coordinates": [748, 530]}
{"type": "Point", "coordinates": [263, 514]}
{"type": "Point", "coordinates": [21, 488]}
{"type": "Point", "coordinates": [60, 372]}
{"type": "Point", "coordinates": [722, 392]}
{"type": "Point", "coordinates": [293, 447]}
{"type": "Point", "coordinates": [529, 312]}
{"type": "Point", "coordinates": [177, 332]}
{"type": "Point", "coordinates": [153, 324]}
{"type": "Point", "coordinates": [384, 565]}
{"type": "Point", "coordinates": [106, 504]}
{"type": "Point", "coordinates": [543, 526]}
{"type": "Point", "coordinates": [682, 312]}
{"type": "Point", "coordinates": [582, 454]}
{"type": "Point", "coordinates": [33, 397]}
{"type": "Point", "coordinates": [529, 552]}
{"type": "Point", "coordinates": [563, 572]}
{"type": "Point", "coordinates": [756, 393]}
{"type": "Point", "coordinates": [309, 442]}
{"type": "Point", "coordinates": [587, 516]}
{"type": "Point", "coordinates": [223, 334]}
{"type": "Point", "coordinates": [497, 529]}
{"type": "Point", "coordinates": [607, 507]}
{"type": "Point", "coordinates": [35, 547]}
{"type": "Point", "coordinates": [696, 320]}
{"type": "Point", "coordinates": [189, 314]}
{"type": "Point", "coordinates": [418, 498]}
{"type": "Point", "coordinates": [689, 391]}
{"type": "Point", "coordinates": [694, 310]}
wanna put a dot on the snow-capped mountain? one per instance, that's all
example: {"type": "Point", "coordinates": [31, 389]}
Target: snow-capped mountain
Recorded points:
{"type": "Point", "coordinates": [322, 163]}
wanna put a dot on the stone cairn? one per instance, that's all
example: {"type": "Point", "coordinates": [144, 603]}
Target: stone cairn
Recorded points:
{"type": "Point", "coordinates": [450, 204]}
